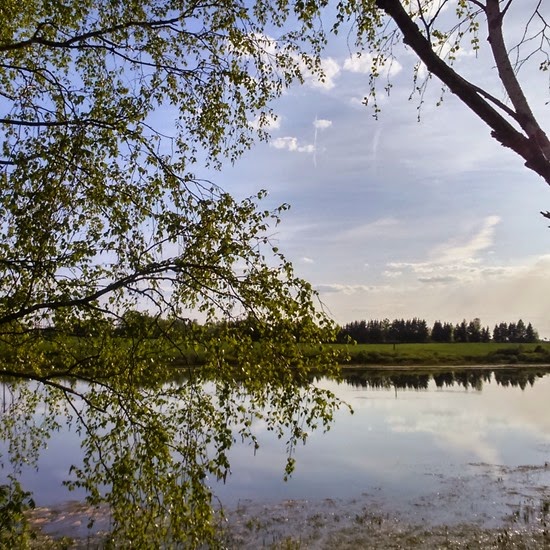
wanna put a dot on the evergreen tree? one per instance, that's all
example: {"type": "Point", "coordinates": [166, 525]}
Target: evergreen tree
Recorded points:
{"type": "Point", "coordinates": [531, 335]}
{"type": "Point", "coordinates": [520, 331]}
{"type": "Point", "coordinates": [474, 330]}
{"type": "Point", "coordinates": [437, 334]}
{"type": "Point", "coordinates": [461, 332]}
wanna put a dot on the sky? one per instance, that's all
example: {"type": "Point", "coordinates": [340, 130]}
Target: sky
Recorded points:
{"type": "Point", "coordinates": [400, 218]}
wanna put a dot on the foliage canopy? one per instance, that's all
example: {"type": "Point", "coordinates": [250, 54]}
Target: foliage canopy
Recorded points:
{"type": "Point", "coordinates": [101, 212]}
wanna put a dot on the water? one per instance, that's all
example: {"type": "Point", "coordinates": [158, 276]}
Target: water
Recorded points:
{"type": "Point", "coordinates": [462, 447]}
{"type": "Point", "coordinates": [403, 446]}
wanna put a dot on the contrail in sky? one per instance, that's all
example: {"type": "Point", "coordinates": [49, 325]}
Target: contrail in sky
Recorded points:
{"type": "Point", "coordinates": [375, 142]}
{"type": "Point", "coordinates": [315, 143]}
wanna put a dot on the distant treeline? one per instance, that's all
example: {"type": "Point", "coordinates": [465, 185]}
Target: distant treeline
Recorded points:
{"type": "Point", "coordinates": [417, 331]}
{"type": "Point", "coordinates": [141, 324]}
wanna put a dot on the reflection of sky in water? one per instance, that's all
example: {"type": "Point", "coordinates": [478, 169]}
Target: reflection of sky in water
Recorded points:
{"type": "Point", "coordinates": [401, 444]}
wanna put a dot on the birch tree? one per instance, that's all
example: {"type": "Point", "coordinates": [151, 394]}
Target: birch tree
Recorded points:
{"type": "Point", "coordinates": [109, 111]}
{"type": "Point", "coordinates": [437, 30]}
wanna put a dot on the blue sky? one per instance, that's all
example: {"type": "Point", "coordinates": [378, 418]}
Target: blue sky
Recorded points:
{"type": "Point", "coordinates": [400, 218]}
{"type": "Point", "coordinates": [397, 217]}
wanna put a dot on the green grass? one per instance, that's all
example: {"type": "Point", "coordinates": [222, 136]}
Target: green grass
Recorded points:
{"type": "Point", "coordinates": [427, 354]}
{"type": "Point", "coordinates": [489, 353]}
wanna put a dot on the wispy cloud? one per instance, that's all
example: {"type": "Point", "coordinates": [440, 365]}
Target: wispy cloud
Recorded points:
{"type": "Point", "coordinates": [392, 274]}
{"type": "Point", "coordinates": [455, 260]}
{"type": "Point", "coordinates": [319, 124]}
{"type": "Point", "coordinates": [481, 240]}
{"type": "Point", "coordinates": [343, 289]}
{"type": "Point", "coordinates": [442, 279]}
{"type": "Point", "coordinates": [375, 143]}
{"type": "Point", "coordinates": [381, 227]}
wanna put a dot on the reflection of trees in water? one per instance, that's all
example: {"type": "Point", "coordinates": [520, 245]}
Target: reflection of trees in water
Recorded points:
{"type": "Point", "coordinates": [517, 378]}
{"type": "Point", "coordinates": [387, 381]}
{"type": "Point", "coordinates": [466, 378]}
{"type": "Point", "coordinates": [152, 446]}
{"type": "Point", "coordinates": [472, 378]}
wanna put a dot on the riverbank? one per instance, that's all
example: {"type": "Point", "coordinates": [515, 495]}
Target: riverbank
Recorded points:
{"type": "Point", "coordinates": [490, 506]}
{"type": "Point", "coordinates": [455, 354]}
{"type": "Point", "coordinates": [367, 531]}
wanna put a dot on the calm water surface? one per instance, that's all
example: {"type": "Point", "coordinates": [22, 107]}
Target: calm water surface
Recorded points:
{"type": "Point", "coordinates": [403, 442]}
{"type": "Point", "coordinates": [410, 442]}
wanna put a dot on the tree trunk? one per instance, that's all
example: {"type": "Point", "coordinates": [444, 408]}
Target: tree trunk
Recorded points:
{"type": "Point", "coordinates": [527, 146]}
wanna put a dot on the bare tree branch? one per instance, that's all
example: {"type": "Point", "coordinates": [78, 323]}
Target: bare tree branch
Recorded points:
{"type": "Point", "coordinates": [527, 147]}
{"type": "Point", "coordinates": [509, 79]}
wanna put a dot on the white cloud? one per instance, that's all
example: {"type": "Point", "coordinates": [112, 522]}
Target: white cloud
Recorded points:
{"type": "Point", "coordinates": [359, 63]}
{"type": "Point", "coordinates": [343, 289]}
{"type": "Point", "coordinates": [330, 70]}
{"type": "Point", "coordinates": [307, 260]}
{"type": "Point", "coordinates": [362, 63]}
{"type": "Point", "coordinates": [442, 279]}
{"type": "Point", "coordinates": [357, 102]}
{"type": "Point", "coordinates": [432, 7]}
{"type": "Point", "coordinates": [267, 122]}
{"type": "Point", "coordinates": [265, 43]}
{"type": "Point", "coordinates": [392, 274]}
{"type": "Point", "coordinates": [322, 124]}
{"type": "Point", "coordinates": [291, 144]}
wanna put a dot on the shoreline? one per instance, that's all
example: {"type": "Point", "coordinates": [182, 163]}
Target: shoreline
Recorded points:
{"type": "Point", "coordinates": [488, 506]}
{"type": "Point", "coordinates": [446, 367]}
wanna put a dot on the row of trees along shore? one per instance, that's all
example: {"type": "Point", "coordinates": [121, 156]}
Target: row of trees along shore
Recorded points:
{"type": "Point", "coordinates": [141, 324]}
{"type": "Point", "coordinates": [417, 331]}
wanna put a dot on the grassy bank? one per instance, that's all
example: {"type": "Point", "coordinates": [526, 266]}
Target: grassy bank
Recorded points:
{"type": "Point", "coordinates": [481, 353]}
{"type": "Point", "coordinates": [64, 352]}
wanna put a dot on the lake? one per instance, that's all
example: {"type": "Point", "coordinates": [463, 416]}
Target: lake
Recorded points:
{"type": "Point", "coordinates": [409, 448]}
{"type": "Point", "coordinates": [452, 446]}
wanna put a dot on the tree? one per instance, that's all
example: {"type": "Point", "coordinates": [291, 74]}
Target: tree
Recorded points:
{"type": "Point", "coordinates": [461, 332]}
{"type": "Point", "coordinates": [531, 334]}
{"type": "Point", "coordinates": [436, 31]}
{"type": "Point", "coordinates": [102, 213]}
{"type": "Point", "coordinates": [437, 334]}
{"type": "Point", "coordinates": [474, 330]}
{"type": "Point", "coordinates": [448, 332]}
{"type": "Point", "coordinates": [421, 331]}
{"type": "Point", "coordinates": [504, 332]}
{"type": "Point", "coordinates": [500, 333]}
{"type": "Point", "coordinates": [512, 332]}
{"type": "Point", "coordinates": [521, 331]}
